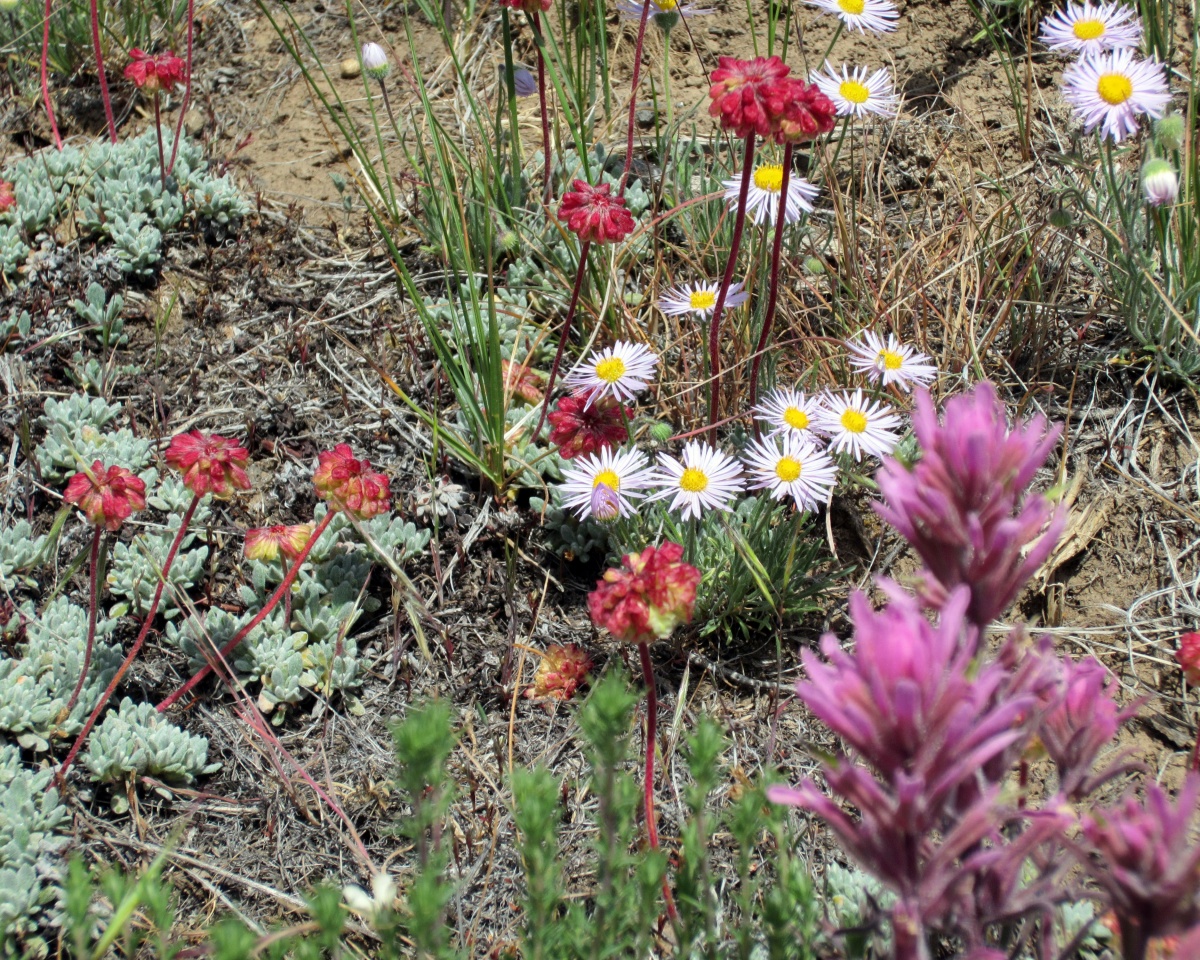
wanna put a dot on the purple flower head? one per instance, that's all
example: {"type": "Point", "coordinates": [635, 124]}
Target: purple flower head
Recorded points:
{"type": "Point", "coordinates": [1147, 860]}
{"type": "Point", "coordinates": [964, 508]}
{"type": "Point", "coordinates": [1080, 720]}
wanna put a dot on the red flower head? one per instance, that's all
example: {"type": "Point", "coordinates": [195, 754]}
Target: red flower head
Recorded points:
{"type": "Point", "coordinates": [154, 72]}
{"type": "Point", "coordinates": [209, 464]}
{"type": "Point", "coordinates": [562, 670]}
{"type": "Point", "coordinates": [529, 6]}
{"type": "Point", "coordinates": [107, 495]}
{"type": "Point", "coordinates": [579, 428]}
{"type": "Point", "coordinates": [351, 485]}
{"type": "Point", "coordinates": [593, 215]}
{"type": "Point", "coordinates": [1188, 657]}
{"type": "Point", "coordinates": [647, 597]}
{"type": "Point", "coordinates": [8, 199]}
{"type": "Point", "coordinates": [523, 382]}
{"type": "Point", "coordinates": [270, 543]}
{"type": "Point", "coordinates": [807, 113]}
{"type": "Point", "coordinates": [749, 96]}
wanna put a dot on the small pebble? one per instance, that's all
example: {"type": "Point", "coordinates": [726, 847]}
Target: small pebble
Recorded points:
{"type": "Point", "coordinates": [351, 67]}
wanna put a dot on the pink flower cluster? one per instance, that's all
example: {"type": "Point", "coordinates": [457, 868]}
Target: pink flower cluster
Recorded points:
{"type": "Point", "coordinates": [594, 215]}
{"type": "Point", "coordinates": [108, 496]}
{"type": "Point", "coordinates": [155, 72]}
{"type": "Point", "coordinates": [209, 463]}
{"type": "Point", "coordinates": [758, 97]}
{"type": "Point", "coordinates": [351, 485]}
{"type": "Point", "coordinates": [647, 597]}
{"type": "Point", "coordinates": [580, 426]}
{"type": "Point", "coordinates": [564, 668]}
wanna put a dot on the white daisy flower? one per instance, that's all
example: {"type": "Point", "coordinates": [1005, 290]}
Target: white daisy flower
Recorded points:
{"type": "Point", "coordinates": [1110, 89]}
{"type": "Point", "coordinates": [664, 12]}
{"type": "Point", "coordinates": [700, 299]}
{"type": "Point", "coordinates": [790, 413]}
{"type": "Point", "coordinates": [624, 474]}
{"type": "Point", "coordinates": [623, 370]}
{"type": "Point", "coordinates": [762, 199]}
{"type": "Point", "coordinates": [890, 361]}
{"type": "Point", "coordinates": [1092, 27]}
{"type": "Point", "coordinates": [862, 15]}
{"type": "Point", "coordinates": [859, 426]}
{"type": "Point", "coordinates": [794, 468]}
{"type": "Point", "coordinates": [855, 94]}
{"type": "Point", "coordinates": [703, 479]}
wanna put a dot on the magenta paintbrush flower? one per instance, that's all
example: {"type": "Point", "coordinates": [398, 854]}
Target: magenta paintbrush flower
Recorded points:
{"type": "Point", "coordinates": [964, 507]}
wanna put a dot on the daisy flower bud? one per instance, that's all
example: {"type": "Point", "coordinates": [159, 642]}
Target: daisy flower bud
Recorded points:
{"type": "Point", "coordinates": [351, 485]}
{"type": "Point", "coordinates": [209, 463]}
{"type": "Point", "coordinates": [1188, 657]}
{"type": "Point", "coordinates": [8, 199]}
{"type": "Point", "coordinates": [564, 668]}
{"type": "Point", "coordinates": [524, 82]}
{"type": "Point", "coordinates": [647, 597]}
{"type": "Point", "coordinates": [605, 485]}
{"type": "Point", "coordinates": [594, 215]}
{"type": "Point", "coordinates": [8, 6]}
{"type": "Point", "coordinates": [1169, 131]}
{"type": "Point", "coordinates": [108, 496]}
{"type": "Point", "coordinates": [271, 543]}
{"type": "Point", "coordinates": [1160, 183]}
{"type": "Point", "coordinates": [375, 61]}
{"type": "Point", "coordinates": [154, 72]}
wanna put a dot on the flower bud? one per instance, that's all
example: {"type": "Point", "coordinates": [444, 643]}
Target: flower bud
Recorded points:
{"type": "Point", "coordinates": [374, 61]}
{"type": "Point", "coordinates": [1160, 183]}
{"type": "Point", "coordinates": [8, 6]}
{"type": "Point", "coordinates": [1169, 131]}
{"type": "Point", "coordinates": [661, 431]}
{"type": "Point", "coordinates": [524, 82]}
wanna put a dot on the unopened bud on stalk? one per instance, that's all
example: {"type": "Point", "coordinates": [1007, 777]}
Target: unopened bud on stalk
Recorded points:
{"type": "Point", "coordinates": [1160, 183]}
{"type": "Point", "coordinates": [660, 431]}
{"type": "Point", "coordinates": [8, 6]}
{"type": "Point", "coordinates": [524, 82]}
{"type": "Point", "coordinates": [374, 61]}
{"type": "Point", "coordinates": [1169, 131]}
{"type": "Point", "coordinates": [814, 265]}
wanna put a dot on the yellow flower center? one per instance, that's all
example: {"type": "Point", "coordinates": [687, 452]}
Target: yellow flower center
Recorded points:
{"type": "Point", "coordinates": [1114, 88]}
{"type": "Point", "coordinates": [890, 360]}
{"type": "Point", "coordinates": [1088, 29]}
{"type": "Point", "coordinates": [852, 7]}
{"type": "Point", "coordinates": [666, 6]}
{"type": "Point", "coordinates": [609, 479]}
{"type": "Point", "coordinates": [610, 370]}
{"type": "Point", "coordinates": [703, 300]}
{"type": "Point", "coordinates": [787, 469]}
{"type": "Point", "coordinates": [855, 421]}
{"type": "Point", "coordinates": [769, 177]}
{"type": "Point", "coordinates": [854, 91]}
{"type": "Point", "coordinates": [693, 481]}
{"type": "Point", "coordinates": [795, 418]}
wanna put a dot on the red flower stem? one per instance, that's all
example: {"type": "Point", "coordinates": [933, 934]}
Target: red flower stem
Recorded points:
{"type": "Point", "coordinates": [46, 79]}
{"type": "Point", "coordinates": [541, 78]}
{"type": "Point", "coordinates": [714, 326]}
{"type": "Point", "coordinates": [262, 614]}
{"type": "Point", "coordinates": [60, 778]}
{"type": "Point", "coordinates": [91, 634]}
{"type": "Point", "coordinates": [562, 342]}
{"type": "Point", "coordinates": [187, 85]}
{"type": "Point", "coordinates": [104, 95]}
{"type": "Point", "coordinates": [637, 75]}
{"type": "Point", "coordinates": [773, 290]}
{"type": "Point", "coordinates": [287, 600]}
{"type": "Point", "coordinates": [162, 160]}
{"type": "Point", "coordinates": [651, 742]}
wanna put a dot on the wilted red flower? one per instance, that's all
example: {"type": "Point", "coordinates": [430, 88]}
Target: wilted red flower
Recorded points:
{"type": "Point", "coordinates": [647, 597]}
{"type": "Point", "coordinates": [594, 215]}
{"type": "Point", "coordinates": [8, 199]}
{"type": "Point", "coordinates": [351, 485]}
{"type": "Point", "coordinates": [523, 382]}
{"type": "Point", "coordinates": [154, 72]}
{"type": "Point", "coordinates": [749, 96]}
{"type": "Point", "coordinates": [562, 670]}
{"type": "Point", "coordinates": [579, 428]}
{"type": "Point", "coordinates": [209, 463]}
{"type": "Point", "coordinates": [529, 6]}
{"type": "Point", "coordinates": [807, 113]}
{"type": "Point", "coordinates": [270, 543]}
{"type": "Point", "coordinates": [107, 495]}
{"type": "Point", "coordinates": [1187, 656]}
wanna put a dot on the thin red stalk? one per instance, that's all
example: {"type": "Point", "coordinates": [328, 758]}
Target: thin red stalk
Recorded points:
{"type": "Point", "coordinates": [91, 634]}
{"type": "Point", "coordinates": [46, 77]}
{"type": "Point", "coordinates": [187, 85]}
{"type": "Point", "coordinates": [271, 604]}
{"type": "Point", "coordinates": [1196, 753]}
{"type": "Point", "coordinates": [637, 75]}
{"type": "Point", "coordinates": [562, 341]}
{"type": "Point", "coordinates": [287, 599]}
{"type": "Point", "coordinates": [162, 160]}
{"type": "Point", "coordinates": [104, 95]}
{"type": "Point", "coordinates": [137, 644]}
{"type": "Point", "coordinates": [648, 787]}
{"type": "Point", "coordinates": [773, 288]}
{"type": "Point", "coordinates": [541, 78]}
{"type": "Point", "coordinates": [714, 326]}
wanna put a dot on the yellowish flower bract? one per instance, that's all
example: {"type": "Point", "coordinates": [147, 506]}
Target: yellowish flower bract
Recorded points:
{"type": "Point", "coordinates": [859, 426]}
{"type": "Point", "coordinates": [791, 467]}
{"type": "Point", "coordinates": [623, 371]}
{"type": "Point", "coordinates": [890, 361]}
{"type": "Point", "coordinates": [702, 479]}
